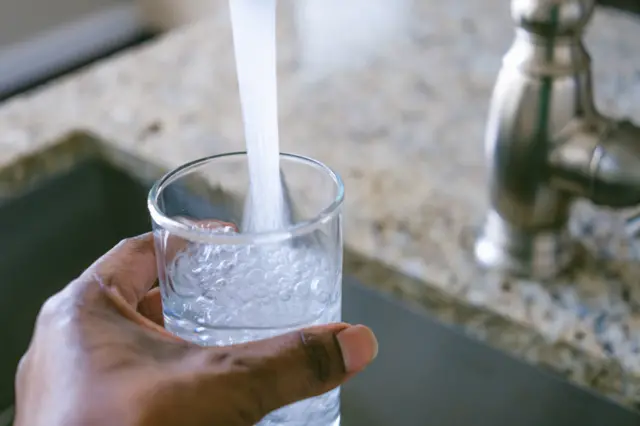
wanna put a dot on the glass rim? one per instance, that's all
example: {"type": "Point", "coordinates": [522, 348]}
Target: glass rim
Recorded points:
{"type": "Point", "coordinates": [202, 235]}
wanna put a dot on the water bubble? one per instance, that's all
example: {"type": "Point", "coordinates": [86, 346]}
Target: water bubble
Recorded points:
{"type": "Point", "coordinates": [261, 290]}
{"type": "Point", "coordinates": [285, 289]}
{"type": "Point", "coordinates": [210, 294]}
{"type": "Point", "coordinates": [284, 282]}
{"type": "Point", "coordinates": [225, 264]}
{"type": "Point", "coordinates": [255, 275]}
{"type": "Point", "coordinates": [301, 290]}
{"type": "Point", "coordinates": [285, 296]}
{"type": "Point", "coordinates": [275, 284]}
{"type": "Point", "coordinates": [245, 294]}
{"type": "Point", "coordinates": [238, 257]}
{"type": "Point", "coordinates": [315, 284]}
{"type": "Point", "coordinates": [324, 297]}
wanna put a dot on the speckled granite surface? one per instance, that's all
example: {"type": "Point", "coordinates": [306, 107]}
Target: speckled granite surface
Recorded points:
{"type": "Point", "coordinates": [398, 110]}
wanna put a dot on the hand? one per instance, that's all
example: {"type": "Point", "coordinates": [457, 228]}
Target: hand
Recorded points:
{"type": "Point", "coordinates": [100, 356]}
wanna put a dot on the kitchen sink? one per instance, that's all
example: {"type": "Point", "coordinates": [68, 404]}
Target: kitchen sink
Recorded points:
{"type": "Point", "coordinates": [427, 373]}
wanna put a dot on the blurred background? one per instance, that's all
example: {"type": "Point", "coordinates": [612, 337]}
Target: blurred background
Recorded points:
{"type": "Point", "coordinates": [42, 39]}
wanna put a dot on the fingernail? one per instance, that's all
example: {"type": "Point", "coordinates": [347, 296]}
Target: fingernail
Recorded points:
{"type": "Point", "coordinates": [359, 347]}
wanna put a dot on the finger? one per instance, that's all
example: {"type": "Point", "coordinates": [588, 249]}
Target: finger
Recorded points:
{"type": "Point", "coordinates": [129, 269]}
{"type": "Point", "coordinates": [151, 307]}
{"type": "Point", "coordinates": [125, 309]}
{"type": "Point", "coordinates": [289, 368]}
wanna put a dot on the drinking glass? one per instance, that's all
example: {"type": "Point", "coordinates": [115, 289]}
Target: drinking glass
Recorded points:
{"type": "Point", "coordinates": [223, 284]}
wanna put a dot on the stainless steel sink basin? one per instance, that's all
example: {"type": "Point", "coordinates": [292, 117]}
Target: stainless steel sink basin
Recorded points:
{"type": "Point", "coordinates": [426, 374]}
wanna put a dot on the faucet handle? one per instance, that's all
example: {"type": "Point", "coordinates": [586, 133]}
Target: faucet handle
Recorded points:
{"type": "Point", "coordinates": [552, 17]}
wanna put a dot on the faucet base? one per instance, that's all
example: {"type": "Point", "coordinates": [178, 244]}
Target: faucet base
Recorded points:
{"type": "Point", "coordinates": [541, 254]}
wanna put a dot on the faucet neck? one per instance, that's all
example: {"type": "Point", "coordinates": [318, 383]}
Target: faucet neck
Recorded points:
{"type": "Point", "coordinates": [551, 62]}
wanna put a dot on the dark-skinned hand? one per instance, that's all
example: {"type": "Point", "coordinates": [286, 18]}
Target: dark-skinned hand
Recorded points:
{"type": "Point", "coordinates": [100, 356]}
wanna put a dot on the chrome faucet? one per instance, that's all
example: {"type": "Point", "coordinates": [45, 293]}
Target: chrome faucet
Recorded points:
{"type": "Point", "coordinates": [547, 144]}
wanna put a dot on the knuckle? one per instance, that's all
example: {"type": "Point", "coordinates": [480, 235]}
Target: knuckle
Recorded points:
{"type": "Point", "coordinates": [22, 372]}
{"type": "Point", "coordinates": [62, 307]}
{"type": "Point", "coordinates": [234, 368]}
{"type": "Point", "coordinates": [50, 308]}
{"type": "Point", "coordinates": [217, 360]}
{"type": "Point", "coordinates": [321, 357]}
{"type": "Point", "coordinates": [23, 365]}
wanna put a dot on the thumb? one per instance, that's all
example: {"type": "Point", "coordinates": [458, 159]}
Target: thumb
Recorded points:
{"type": "Point", "coordinates": [299, 365]}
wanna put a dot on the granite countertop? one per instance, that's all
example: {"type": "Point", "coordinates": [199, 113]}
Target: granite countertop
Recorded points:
{"type": "Point", "coordinates": [398, 108]}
